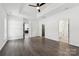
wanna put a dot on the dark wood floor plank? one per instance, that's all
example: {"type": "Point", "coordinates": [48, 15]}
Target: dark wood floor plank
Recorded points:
{"type": "Point", "coordinates": [37, 46]}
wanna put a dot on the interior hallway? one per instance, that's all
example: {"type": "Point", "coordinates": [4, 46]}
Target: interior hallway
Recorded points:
{"type": "Point", "coordinates": [37, 47]}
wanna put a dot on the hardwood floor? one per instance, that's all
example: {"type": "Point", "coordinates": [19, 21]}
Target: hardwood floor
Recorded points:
{"type": "Point", "coordinates": [36, 46]}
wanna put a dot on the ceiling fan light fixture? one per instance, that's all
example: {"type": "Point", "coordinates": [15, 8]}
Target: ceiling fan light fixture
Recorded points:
{"type": "Point", "coordinates": [38, 8]}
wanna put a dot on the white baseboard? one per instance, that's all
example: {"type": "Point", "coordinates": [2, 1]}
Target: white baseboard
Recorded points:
{"type": "Point", "coordinates": [3, 44]}
{"type": "Point", "coordinates": [15, 37]}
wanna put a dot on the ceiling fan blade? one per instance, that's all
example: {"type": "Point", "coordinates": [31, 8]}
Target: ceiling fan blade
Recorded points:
{"type": "Point", "coordinates": [38, 10]}
{"type": "Point", "coordinates": [32, 5]}
{"type": "Point", "coordinates": [38, 4]}
{"type": "Point", "coordinates": [42, 4]}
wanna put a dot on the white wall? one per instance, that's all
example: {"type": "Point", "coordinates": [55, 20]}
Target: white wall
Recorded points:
{"type": "Point", "coordinates": [51, 25]}
{"type": "Point", "coordinates": [15, 27]}
{"type": "Point", "coordinates": [3, 34]}
{"type": "Point", "coordinates": [34, 28]}
{"type": "Point", "coordinates": [51, 28]}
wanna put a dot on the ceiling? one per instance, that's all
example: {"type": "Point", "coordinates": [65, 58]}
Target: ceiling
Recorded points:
{"type": "Point", "coordinates": [54, 8]}
{"type": "Point", "coordinates": [20, 9]}
{"type": "Point", "coordinates": [30, 12]}
{"type": "Point", "coordinates": [11, 7]}
{"type": "Point", "coordinates": [23, 9]}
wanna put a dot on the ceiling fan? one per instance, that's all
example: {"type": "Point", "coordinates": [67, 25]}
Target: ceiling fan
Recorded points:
{"type": "Point", "coordinates": [38, 5]}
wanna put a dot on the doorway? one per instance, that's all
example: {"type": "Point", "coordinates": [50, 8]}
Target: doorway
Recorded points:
{"type": "Point", "coordinates": [43, 30]}
{"type": "Point", "coordinates": [25, 30]}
